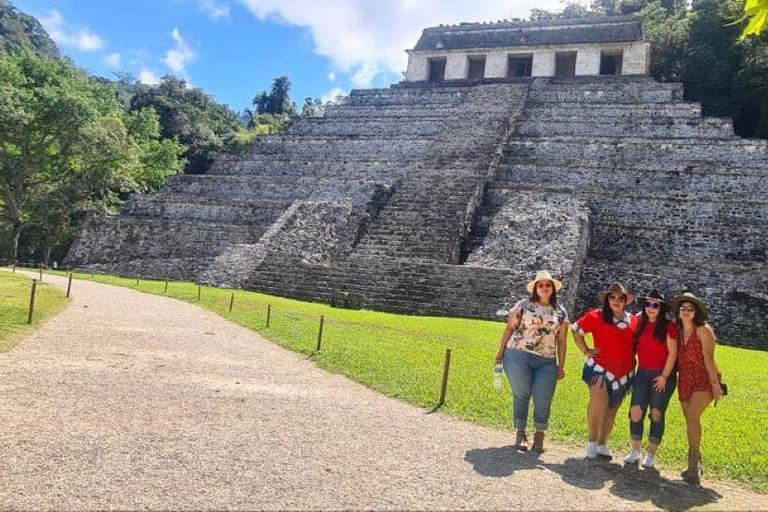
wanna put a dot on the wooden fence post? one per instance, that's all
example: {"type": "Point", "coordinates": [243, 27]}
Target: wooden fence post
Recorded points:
{"type": "Point", "coordinates": [231, 301]}
{"type": "Point", "coordinates": [32, 301]}
{"type": "Point", "coordinates": [138, 278]}
{"type": "Point", "coordinates": [199, 292]}
{"type": "Point", "coordinates": [166, 287]}
{"type": "Point", "coordinates": [41, 271]}
{"type": "Point", "coordinates": [14, 266]}
{"type": "Point", "coordinates": [69, 284]}
{"type": "Point", "coordinates": [444, 384]}
{"type": "Point", "coordinates": [269, 311]}
{"type": "Point", "coordinates": [320, 333]}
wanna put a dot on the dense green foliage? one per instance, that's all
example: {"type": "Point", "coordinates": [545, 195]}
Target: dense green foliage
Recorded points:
{"type": "Point", "coordinates": [14, 307]}
{"type": "Point", "coordinates": [189, 115]}
{"type": "Point", "coordinates": [402, 356]}
{"type": "Point", "coordinates": [20, 31]}
{"type": "Point", "coordinates": [704, 49]}
{"type": "Point", "coordinates": [67, 148]}
{"type": "Point", "coordinates": [757, 12]}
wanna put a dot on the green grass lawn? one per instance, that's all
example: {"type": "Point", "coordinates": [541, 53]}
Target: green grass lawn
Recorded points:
{"type": "Point", "coordinates": [14, 307]}
{"type": "Point", "coordinates": [402, 356]}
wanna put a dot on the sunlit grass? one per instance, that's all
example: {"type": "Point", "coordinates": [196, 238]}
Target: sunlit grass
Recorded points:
{"type": "Point", "coordinates": [15, 292]}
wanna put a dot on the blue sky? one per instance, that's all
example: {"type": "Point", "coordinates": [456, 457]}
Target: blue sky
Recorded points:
{"type": "Point", "coordinates": [234, 48]}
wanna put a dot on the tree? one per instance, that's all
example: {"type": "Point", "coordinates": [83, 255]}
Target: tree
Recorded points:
{"type": "Point", "coordinates": [20, 31]}
{"type": "Point", "coordinates": [278, 100]}
{"type": "Point", "coordinates": [312, 107]}
{"type": "Point", "coordinates": [757, 12]}
{"type": "Point", "coordinates": [190, 116]}
{"type": "Point", "coordinates": [62, 141]}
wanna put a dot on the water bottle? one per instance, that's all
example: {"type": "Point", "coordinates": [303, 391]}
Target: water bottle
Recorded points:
{"type": "Point", "coordinates": [497, 369]}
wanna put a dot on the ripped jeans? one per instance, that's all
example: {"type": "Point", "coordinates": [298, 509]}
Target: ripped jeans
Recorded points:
{"type": "Point", "coordinates": [644, 395]}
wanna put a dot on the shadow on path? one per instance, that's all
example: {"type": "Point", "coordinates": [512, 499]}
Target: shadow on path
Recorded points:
{"type": "Point", "coordinates": [504, 461]}
{"type": "Point", "coordinates": [628, 482]}
{"type": "Point", "coordinates": [633, 483]}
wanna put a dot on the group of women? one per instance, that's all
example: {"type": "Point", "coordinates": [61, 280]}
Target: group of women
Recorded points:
{"type": "Point", "coordinates": [647, 353]}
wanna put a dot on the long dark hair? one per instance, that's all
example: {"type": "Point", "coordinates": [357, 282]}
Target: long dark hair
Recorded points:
{"type": "Point", "coordinates": [698, 321]}
{"type": "Point", "coordinates": [552, 298]}
{"type": "Point", "coordinates": [659, 330]}
{"type": "Point", "coordinates": [608, 312]}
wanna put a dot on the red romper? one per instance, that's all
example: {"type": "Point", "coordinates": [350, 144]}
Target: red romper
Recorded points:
{"type": "Point", "coordinates": [692, 374]}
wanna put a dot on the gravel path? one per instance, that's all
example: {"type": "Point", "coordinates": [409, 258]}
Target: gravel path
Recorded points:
{"type": "Point", "coordinates": [128, 400]}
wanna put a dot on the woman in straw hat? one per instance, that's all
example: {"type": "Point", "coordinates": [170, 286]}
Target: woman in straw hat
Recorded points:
{"type": "Point", "coordinates": [609, 366]}
{"type": "Point", "coordinates": [698, 382]}
{"type": "Point", "coordinates": [533, 351]}
{"type": "Point", "coordinates": [655, 343]}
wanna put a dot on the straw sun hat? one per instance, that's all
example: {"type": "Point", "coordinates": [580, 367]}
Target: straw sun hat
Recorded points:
{"type": "Point", "coordinates": [543, 275]}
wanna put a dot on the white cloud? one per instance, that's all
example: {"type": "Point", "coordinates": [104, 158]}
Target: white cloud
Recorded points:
{"type": "Point", "coordinates": [67, 35]}
{"type": "Point", "coordinates": [214, 9]}
{"type": "Point", "coordinates": [367, 39]}
{"type": "Point", "coordinates": [178, 57]}
{"type": "Point", "coordinates": [148, 77]}
{"type": "Point", "coordinates": [333, 95]}
{"type": "Point", "coordinates": [114, 60]}
{"type": "Point", "coordinates": [331, 76]}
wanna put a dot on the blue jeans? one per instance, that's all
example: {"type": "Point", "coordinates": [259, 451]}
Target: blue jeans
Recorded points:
{"type": "Point", "coordinates": [529, 376]}
{"type": "Point", "coordinates": [643, 395]}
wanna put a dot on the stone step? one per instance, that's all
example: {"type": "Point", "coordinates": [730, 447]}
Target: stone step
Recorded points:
{"type": "Point", "coordinates": [544, 110]}
{"type": "Point", "coordinates": [654, 128]}
{"type": "Point", "coordinates": [122, 238]}
{"type": "Point", "coordinates": [743, 183]}
{"type": "Point", "coordinates": [622, 150]}
{"type": "Point", "coordinates": [263, 190]}
{"type": "Point", "coordinates": [394, 126]}
{"type": "Point", "coordinates": [617, 93]}
{"type": "Point", "coordinates": [209, 210]}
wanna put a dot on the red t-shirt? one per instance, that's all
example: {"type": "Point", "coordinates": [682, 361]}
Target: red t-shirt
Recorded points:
{"type": "Point", "coordinates": [652, 353]}
{"type": "Point", "coordinates": [617, 354]}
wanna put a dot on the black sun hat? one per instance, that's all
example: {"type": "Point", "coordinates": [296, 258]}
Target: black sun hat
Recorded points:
{"type": "Point", "coordinates": [653, 294]}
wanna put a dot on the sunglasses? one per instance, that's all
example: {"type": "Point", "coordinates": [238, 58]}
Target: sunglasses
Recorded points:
{"type": "Point", "coordinates": [652, 305]}
{"type": "Point", "coordinates": [543, 284]}
{"type": "Point", "coordinates": [616, 298]}
{"type": "Point", "coordinates": [687, 309]}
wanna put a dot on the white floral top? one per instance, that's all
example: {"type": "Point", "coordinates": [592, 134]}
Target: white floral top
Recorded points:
{"type": "Point", "coordinates": [539, 325]}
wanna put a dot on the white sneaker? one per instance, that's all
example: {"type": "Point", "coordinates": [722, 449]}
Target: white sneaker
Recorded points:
{"type": "Point", "coordinates": [603, 451]}
{"type": "Point", "coordinates": [649, 462]}
{"type": "Point", "coordinates": [591, 450]}
{"type": "Point", "coordinates": [633, 457]}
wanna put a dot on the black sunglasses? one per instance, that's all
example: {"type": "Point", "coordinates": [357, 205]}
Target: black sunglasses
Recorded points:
{"type": "Point", "coordinates": [652, 305]}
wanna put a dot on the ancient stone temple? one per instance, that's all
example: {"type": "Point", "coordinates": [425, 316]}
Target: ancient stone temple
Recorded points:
{"type": "Point", "coordinates": [444, 193]}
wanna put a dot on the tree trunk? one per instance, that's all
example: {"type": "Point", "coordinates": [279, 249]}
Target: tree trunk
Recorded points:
{"type": "Point", "coordinates": [15, 240]}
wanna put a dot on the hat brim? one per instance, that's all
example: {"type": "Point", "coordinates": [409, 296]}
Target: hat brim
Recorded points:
{"type": "Point", "coordinates": [558, 284]}
{"type": "Point", "coordinates": [674, 305]}
{"type": "Point", "coordinates": [645, 298]}
{"type": "Point", "coordinates": [629, 296]}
